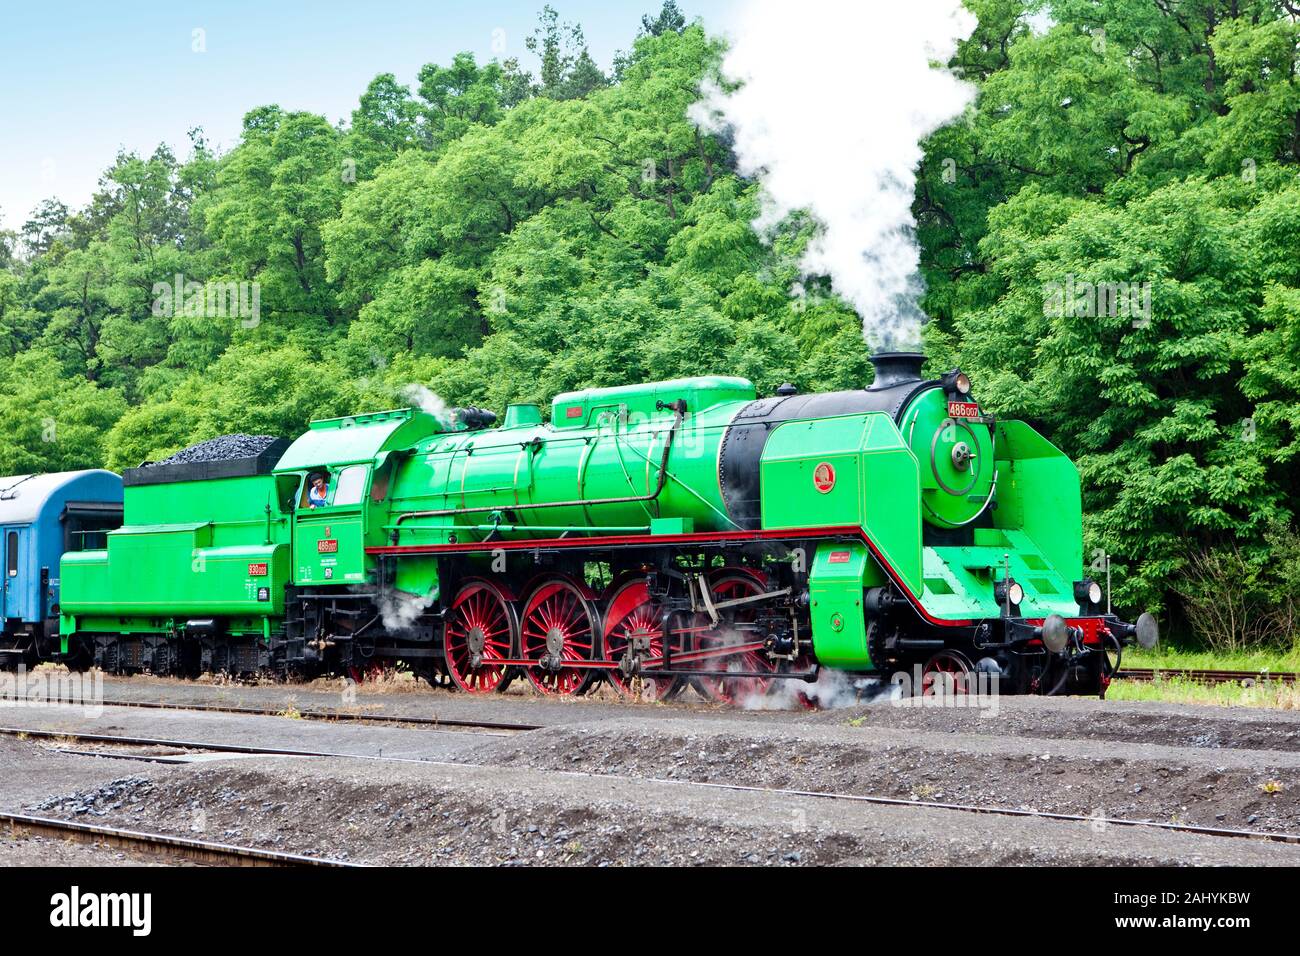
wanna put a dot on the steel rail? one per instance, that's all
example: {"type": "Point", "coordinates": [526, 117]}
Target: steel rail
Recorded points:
{"type": "Point", "coordinates": [199, 851]}
{"type": "Point", "coordinates": [328, 715]}
{"type": "Point", "coordinates": [1293, 838]}
{"type": "Point", "coordinates": [73, 736]}
{"type": "Point", "coordinates": [455, 724]}
{"type": "Point", "coordinates": [1204, 676]}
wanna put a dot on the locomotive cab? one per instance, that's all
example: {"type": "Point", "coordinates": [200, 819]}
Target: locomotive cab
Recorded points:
{"type": "Point", "coordinates": [357, 454]}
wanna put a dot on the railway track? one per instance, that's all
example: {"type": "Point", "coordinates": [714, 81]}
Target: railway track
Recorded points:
{"type": "Point", "coordinates": [500, 727]}
{"type": "Point", "coordinates": [449, 724]}
{"type": "Point", "coordinates": [1208, 676]}
{"type": "Point", "coordinates": [192, 746]}
{"type": "Point", "coordinates": [159, 844]}
{"type": "Point", "coordinates": [1099, 821]}
{"type": "Point", "coordinates": [1093, 820]}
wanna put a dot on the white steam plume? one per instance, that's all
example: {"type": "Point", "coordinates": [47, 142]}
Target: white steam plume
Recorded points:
{"type": "Point", "coordinates": [426, 401]}
{"type": "Point", "coordinates": [834, 101]}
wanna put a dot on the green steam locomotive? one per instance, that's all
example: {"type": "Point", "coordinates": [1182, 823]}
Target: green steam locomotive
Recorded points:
{"type": "Point", "coordinates": [656, 537]}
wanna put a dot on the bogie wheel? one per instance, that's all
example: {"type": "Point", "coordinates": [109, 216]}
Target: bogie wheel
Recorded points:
{"type": "Point", "coordinates": [632, 614]}
{"type": "Point", "coordinates": [481, 630]}
{"type": "Point", "coordinates": [729, 584]}
{"type": "Point", "coordinates": [81, 654]}
{"type": "Point", "coordinates": [559, 625]}
{"type": "Point", "coordinates": [946, 672]}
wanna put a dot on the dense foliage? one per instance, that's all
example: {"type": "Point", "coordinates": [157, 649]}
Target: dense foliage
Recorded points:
{"type": "Point", "coordinates": [499, 234]}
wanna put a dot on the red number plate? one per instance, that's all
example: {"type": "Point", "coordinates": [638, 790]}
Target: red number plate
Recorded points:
{"type": "Point", "coordinates": [963, 410]}
{"type": "Point", "coordinates": [327, 546]}
{"type": "Point", "coordinates": [839, 557]}
{"type": "Point", "coordinates": [257, 570]}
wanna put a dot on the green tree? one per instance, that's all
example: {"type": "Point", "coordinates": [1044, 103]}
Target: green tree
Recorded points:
{"type": "Point", "coordinates": [49, 422]}
{"type": "Point", "coordinates": [567, 69]}
{"type": "Point", "coordinates": [670, 17]}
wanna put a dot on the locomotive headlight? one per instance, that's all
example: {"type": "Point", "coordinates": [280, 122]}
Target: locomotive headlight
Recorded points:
{"type": "Point", "coordinates": [1008, 592]}
{"type": "Point", "coordinates": [1087, 593]}
{"type": "Point", "coordinates": [956, 382]}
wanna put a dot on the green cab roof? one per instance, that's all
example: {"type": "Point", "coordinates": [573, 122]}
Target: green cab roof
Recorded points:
{"type": "Point", "coordinates": [357, 438]}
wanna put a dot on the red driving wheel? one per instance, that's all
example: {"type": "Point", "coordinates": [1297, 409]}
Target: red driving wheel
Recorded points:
{"type": "Point", "coordinates": [630, 615]}
{"type": "Point", "coordinates": [729, 584]}
{"type": "Point", "coordinates": [946, 672]}
{"type": "Point", "coordinates": [558, 625]}
{"type": "Point", "coordinates": [481, 629]}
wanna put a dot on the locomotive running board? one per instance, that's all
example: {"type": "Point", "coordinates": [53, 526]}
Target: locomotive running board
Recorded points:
{"type": "Point", "coordinates": [626, 541]}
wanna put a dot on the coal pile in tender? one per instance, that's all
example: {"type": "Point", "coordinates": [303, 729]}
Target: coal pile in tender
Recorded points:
{"type": "Point", "coordinates": [222, 448]}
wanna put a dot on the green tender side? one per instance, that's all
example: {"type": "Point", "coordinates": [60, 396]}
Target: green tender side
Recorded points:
{"type": "Point", "coordinates": [187, 550]}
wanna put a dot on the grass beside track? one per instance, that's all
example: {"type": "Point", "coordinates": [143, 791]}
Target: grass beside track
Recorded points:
{"type": "Point", "coordinates": [1172, 658]}
{"type": "Point", "coordinates": [1178, 690]}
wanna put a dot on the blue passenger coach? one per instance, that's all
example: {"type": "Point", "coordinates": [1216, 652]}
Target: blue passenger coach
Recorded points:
{"type": "Point", "coordinates": [41, 517]}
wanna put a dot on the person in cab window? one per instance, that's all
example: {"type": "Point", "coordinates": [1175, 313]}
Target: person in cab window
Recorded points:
{"type": "Point", "coordinates": [318, 494]}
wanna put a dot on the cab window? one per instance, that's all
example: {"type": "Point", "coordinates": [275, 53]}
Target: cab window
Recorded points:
{"type": "Point", "coordinates": [286, 490]}
{"type": "Point", "coordinates": [348, 486]}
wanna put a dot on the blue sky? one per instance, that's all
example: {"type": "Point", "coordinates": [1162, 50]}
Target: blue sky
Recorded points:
{"type": "Point", "coordinates": [81, 79]}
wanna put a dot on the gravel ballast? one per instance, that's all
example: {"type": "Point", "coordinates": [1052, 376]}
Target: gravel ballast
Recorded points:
{"type": "Point", "coordinates": [398, 814]}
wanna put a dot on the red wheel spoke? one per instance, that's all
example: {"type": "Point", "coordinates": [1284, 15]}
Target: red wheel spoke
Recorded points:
{"type": "Point", "coordinates": [631, 613]}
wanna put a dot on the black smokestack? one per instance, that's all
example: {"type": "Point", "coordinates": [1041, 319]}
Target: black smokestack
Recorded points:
{"type": "Point", "coordinates": [896, 368]}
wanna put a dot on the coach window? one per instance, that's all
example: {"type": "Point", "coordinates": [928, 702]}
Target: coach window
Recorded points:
{"type": "Point", "coordinates": [349, 485]}
{"type": "Point", "coordinates": [12, 559]}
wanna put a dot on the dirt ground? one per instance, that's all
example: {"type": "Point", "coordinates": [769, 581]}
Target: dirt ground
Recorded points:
{"type": "Point", "coordinates": [404, 814]}
{"type": "Point", "coordinates": [603, 782]}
